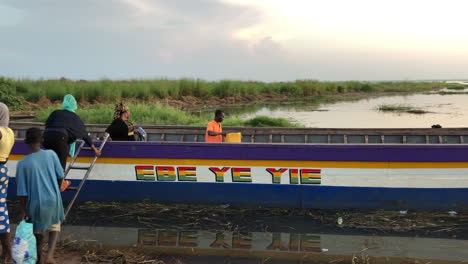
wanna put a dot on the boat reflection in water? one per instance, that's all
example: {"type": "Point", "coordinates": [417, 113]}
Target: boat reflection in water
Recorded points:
{"type": "Point", "coordinates": [289, 247]}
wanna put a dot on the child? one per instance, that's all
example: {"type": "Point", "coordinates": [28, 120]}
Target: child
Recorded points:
{"type": "Point", "coordinates": [38, 178]}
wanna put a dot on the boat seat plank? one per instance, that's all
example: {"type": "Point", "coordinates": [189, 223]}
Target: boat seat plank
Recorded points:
{"type": "Point", "coordinates": [353, 139]}
{"type": "Point", "coordinates": [337, 139]}
{"type": "Point", "coordinates": [416, 139]}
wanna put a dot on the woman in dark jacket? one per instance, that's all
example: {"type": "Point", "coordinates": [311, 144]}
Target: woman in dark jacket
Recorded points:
{"type": "Point", "coordinates": [121, 129]}
{"type": "Point", "coordinates": [63, 128]}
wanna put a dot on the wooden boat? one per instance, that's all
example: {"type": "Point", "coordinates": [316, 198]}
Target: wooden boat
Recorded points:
{"type": "Point", "coordinates": [391, 169]}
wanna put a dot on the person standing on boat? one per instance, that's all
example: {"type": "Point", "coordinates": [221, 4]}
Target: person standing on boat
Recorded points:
{"type": "Point", "coordinates": [7, 140]}
{"type": "Point", "coordinates": [63, 128]}
{"type": "Point", "coordinates": [214, 130]}
{"type": "Point", "coordinates": [38, 177]}
{"type": "Point", "coordinates": [121, 129]}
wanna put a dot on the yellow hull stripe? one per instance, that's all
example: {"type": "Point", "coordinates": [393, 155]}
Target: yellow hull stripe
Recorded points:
{"type": "Point", "coordinates": [274, 163]}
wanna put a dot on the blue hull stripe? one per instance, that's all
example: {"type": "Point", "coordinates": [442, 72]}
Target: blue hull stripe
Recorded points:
{"type": "Point", "coordinates": [271, 195]}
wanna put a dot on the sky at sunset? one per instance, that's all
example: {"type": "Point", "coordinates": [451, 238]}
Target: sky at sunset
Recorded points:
{"type": "Point", "coordinates": [267, 40]}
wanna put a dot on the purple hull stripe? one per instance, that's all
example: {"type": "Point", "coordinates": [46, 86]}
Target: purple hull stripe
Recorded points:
{"type": "Point", "coordinates": [391, 153]}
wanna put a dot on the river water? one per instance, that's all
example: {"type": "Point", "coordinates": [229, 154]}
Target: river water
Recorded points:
{"type": "Point", "coordinates": [446, 110]}
{"type": "Point", "coordinates": [218, 246]}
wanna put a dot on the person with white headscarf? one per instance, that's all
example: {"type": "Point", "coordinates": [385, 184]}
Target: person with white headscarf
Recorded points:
{"type": "Point", "coordinates": [7, 140]}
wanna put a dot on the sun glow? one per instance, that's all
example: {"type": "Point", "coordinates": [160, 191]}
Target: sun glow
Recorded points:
{"type": "Point", "coordinates": [398, 23]}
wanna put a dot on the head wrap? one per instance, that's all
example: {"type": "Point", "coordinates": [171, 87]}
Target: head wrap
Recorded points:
{"type": "Point", "coordinates": [69, 103]}
{"type": "Point", "coordinates": [119, 110]}
{"type": "Point", "coordinates": [4, 115]}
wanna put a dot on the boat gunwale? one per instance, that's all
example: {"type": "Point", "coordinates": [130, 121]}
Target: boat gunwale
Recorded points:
{"type": "Point", "coordinates": [187, 130]}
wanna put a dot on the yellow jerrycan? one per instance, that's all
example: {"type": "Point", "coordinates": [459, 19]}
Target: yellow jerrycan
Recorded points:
{"type": "Point", "coordinates": [233, 138]}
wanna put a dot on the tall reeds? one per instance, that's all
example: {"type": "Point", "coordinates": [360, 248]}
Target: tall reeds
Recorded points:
{"type": "Point", "coordinates": [109, 91]}
{"type": "Point", "coordinates": [159, 114]}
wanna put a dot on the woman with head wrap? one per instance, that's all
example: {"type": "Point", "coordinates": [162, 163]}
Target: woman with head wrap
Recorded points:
{"type": "Point", "coordinates": [7, 139]}
{"type": "Point", "coordinates": [121, 129]}
{"type": "Point", "coordinates": [63, 128]}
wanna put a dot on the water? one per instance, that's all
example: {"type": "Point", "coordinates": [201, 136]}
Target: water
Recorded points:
{"type": "Point", "coordinates": [287, 247]}
{"type": "Point", "coordinates": [446, 110]}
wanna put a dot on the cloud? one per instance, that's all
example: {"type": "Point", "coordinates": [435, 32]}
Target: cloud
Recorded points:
{"type": "Point", "coordinates": [121, 39]}
{"type": "Point", "coordinates": [216, 39]}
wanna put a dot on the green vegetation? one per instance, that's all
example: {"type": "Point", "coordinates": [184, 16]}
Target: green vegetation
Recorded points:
{"type": "Point", "coordinates": [394, 108]}
{"type": "Point", "coordinates": [99, 96]}
{"type": "Point", "coordinates": [456, 86]}
{"type": "Point", "coordinates": [451, 92]}
{"type": "Point", "coordinates": [108, 91]}
{"type": "Point", "coordinates": [265, 121]}
{"type": "Point", "coordinates": [159, 114]}
{"type": "Point", "coordinates": [9, 95]}
{"type": "Point", "coordinates": [401, 109]}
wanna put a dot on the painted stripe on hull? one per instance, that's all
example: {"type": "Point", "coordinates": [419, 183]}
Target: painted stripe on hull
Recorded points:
{"type": "Point", "coordinates": [296, 196]}
{"type": "Point", "coordinates": [273, 163]}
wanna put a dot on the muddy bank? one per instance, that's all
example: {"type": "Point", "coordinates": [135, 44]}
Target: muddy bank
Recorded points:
{"type": "Point", "coordinates": [146, 218]}
{"type": "Point", "coordinates": [191, 103]}
{"type": "Point", "coordinates": [242, 219]}
{"type": "Point", "coordinates": [95, 253]}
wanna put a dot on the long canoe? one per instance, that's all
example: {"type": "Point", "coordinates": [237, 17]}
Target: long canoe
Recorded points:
{"type": "Point", "coordinates": [389, 176]}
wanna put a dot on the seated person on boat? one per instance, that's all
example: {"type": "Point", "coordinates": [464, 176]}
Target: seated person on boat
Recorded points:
{"type": "Point", "coordinates": [121, 129]}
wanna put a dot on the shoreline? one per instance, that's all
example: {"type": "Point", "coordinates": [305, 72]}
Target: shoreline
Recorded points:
{"type": "Point", "coordinates": [427, 224]}
{"type": "Point", "coordinates": [192, 104]}
{"type": "Point", "coordinates": [383, 230]}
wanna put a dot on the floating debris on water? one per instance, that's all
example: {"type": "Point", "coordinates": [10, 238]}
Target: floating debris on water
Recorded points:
{"type": "Point", "coordinates": [340, 220]}
{"type": "Point", "coordinates": [452, 213]}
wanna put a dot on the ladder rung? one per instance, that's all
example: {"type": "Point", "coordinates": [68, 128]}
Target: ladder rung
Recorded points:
{"type": "Point", "coordinates": [79, 168]}
{"type": "Point", "coordinates": [72, 188]}
{"type": "Point", "coordinates": [86, 148]}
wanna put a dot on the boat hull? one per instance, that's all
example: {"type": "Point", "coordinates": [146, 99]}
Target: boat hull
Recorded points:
{"type": "Point", "coordinates": [388, 177]}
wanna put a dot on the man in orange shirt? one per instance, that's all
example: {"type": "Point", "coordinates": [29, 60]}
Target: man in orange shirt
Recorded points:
{"type": "Point", "coordinates": [214, 131]}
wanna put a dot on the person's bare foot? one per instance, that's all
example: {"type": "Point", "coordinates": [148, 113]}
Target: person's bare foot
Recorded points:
{"type": "Point", "coordinates": [40, 259]}
{"type": "Point", "coordinates": [6, 259]}
{"type": "Point", "coordinates": [51, 260]}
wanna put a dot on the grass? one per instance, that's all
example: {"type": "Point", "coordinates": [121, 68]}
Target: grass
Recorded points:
{"type": "Point", "coordinates": [456, 86]}
{"type": "Point", "coordinates": [400, 108]}
{"type": "Point", "coordinates": [9, 95]}
{"type": "Point", "coordinates": [159, 114]}
{"type": "Point", "coordinates": [265, 121]}
{"type": "Point", "coordinates": [110, 91]}
{"type": "Point", "coordinates": [27, 94]}
{"type": "Point", "coordinates": [451, 92]}
{"type": "Point", "coordinates": [394, 108]}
